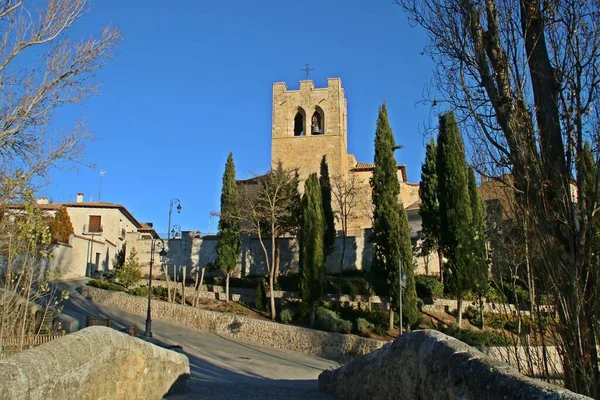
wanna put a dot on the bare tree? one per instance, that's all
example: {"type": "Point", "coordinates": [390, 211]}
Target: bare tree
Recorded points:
{"type": "Point", "coordinates": [524, 77]}
{"type": "Point", "coordinates": [345, 191]}
{"type": "Point", "coordinates": [30, 96]}
{"type": "Point", "coordinates": [269, 207]}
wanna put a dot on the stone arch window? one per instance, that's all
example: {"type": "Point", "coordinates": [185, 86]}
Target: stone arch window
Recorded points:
{"type": "Point", "coordinates": [299, 123]}
{"type": "Point", "coordinates": [317, 125]}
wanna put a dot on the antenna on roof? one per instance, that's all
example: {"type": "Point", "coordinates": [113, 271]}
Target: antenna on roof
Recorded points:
{"type": "Point", "coordinates": [102, 173]}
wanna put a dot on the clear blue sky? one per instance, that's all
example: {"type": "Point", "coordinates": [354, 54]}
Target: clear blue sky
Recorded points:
{"type": "Point", "coordinates": [192, 82]}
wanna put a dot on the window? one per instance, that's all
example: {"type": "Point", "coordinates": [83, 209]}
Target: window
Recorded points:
{"type": "Point", "coordinates": [95, 225]}
{"type": "Point", "coordinates": [299, 123]}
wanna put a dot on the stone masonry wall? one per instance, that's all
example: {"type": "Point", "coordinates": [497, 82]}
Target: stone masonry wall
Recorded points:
{"type": "Point", "coordinates": [307, 341]}
{"type": "Point", "coordinates": [94, 363]}
{"type": "Point", "coordinates": [427, 364]}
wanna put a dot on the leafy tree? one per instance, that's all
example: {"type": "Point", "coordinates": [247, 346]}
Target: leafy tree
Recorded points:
{"type": "Point", "coordinates": [312, 250]}
{"type": "Point", "coordinates": [430, 207]}
{"type": "Point", "coordinates": [523, 76]}
{"type": "Point", "coordinates": [228, 237]}
{"type": "Point", "coordinates": [270, 207]}
{"type": "Point", "coordinates": [325, 183]}
{"type": "Point", "coordinates": [61, 227]}
{"type": "Point", "coordinates": [479, 268]}
{"type": "Point", "coordinates": [455, 205]}
{"type": "Point", "coordinates": [131, 272]}
{"type": "Point", "coordinates": [391, 232]}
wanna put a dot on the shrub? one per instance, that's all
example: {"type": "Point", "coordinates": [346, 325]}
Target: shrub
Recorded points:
{"type": "Point", "coordinates": [364, 327]}
{"type": "Point", "coordinates": [473, 315]}
{"type": "Point", "coordinates": [428, 287]}
{"type": "Point", "coordinates": [330, 321]}
{"type": "Point", "coordinates": [106, 285]}
{"type": "Point", "coordinates": [130, 273]}
{"type": "Point", "coordinates": [349, 286]}
{"type": "Point", "coordinates": [289, 282]}
{"type": "Point", "coordinates": [286, 316]}
{"type": "Point", "coordinates": [260, 299]}
{"type": "Point", "coordinates": [476, 338]}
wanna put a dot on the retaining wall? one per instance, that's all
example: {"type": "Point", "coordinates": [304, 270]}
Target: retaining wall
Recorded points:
{"type": "Point", "coordinates": [94, 363]}
{"type": "Point", "coordinates": [302, 340]}
{"type": "Point", "coordinates": [427, 364]}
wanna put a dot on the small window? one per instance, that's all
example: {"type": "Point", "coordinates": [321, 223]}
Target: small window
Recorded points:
{"type": "Point", "coordinates": [95, 225]}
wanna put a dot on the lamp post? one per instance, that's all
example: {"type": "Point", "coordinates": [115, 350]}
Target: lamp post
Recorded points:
{"type": "Point", "coordinates": [171, 203]}
{"type": "Point", "coordinates": [162, 254]}
{"type": "Point", "coordinates": [402, 284]}
{"type": "Point", "coordinates": [176, 231]}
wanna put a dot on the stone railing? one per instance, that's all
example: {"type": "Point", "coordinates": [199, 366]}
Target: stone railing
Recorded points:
{"type": "Point", "coordinates": [266, 333]}
{"type": "Point", "coordinates": [427, 364]}
{"type": "Point", "coordinates": [94, 363]}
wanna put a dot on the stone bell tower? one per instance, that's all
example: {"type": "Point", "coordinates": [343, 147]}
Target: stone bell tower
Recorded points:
{"type": "Point", "coordinates": [309, 123]}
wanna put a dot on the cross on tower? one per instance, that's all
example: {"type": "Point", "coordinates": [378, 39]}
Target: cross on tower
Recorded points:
{"type": "Point", "coordinates": [307, 69]}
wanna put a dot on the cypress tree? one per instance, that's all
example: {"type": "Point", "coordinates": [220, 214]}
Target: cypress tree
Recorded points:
{"type": "Point", "coordinates": [455, 205]}
{"type": "Point", "coordinates": [479, 268]}
{"type": "Point", "coordinates": [61, 227]}
{"type": "Point", "coordinates": [430, 207]}
{"type": "Point", "coordinates": [391, 232]}
{"type": "Point", "coordinates": [312, 244]}
{"type": "Point", "coordinates": [228, 237]}
{"type": "Point", "coordinates": [325, 183]}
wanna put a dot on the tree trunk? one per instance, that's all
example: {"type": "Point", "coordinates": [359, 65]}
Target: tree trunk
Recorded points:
{"type": "Point", "coordinates": [391, 324]}
{"type": "Point", "coordinates": [276, 261]}
{"type": "Point", "coordinates": [183, 284]}
{"type": "Point", "coordinates": [200, 285]}
{"type": "Point", "coordinates": [195, 300]}
{"type": "Point", "coordinates": [481, 315]}
{"type": "Point", "coordinates": [272, 295]}
{"type": "Point", "coordinates": [168, 283]}
{"type": "Point", "coordinates": [272, 273]}
{"type": "Point", "coordinates": [312, 313]}
{"type": "Point", "coordinates": [459, 309]}
{"type": "Point", "coordinates": [341, 268]}
{"type": "Point", "coordinates": [227, 287]}
{"type": "Point", "coordinates": [441, 262]}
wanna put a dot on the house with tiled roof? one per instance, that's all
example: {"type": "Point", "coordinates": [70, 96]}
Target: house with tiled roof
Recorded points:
{"type": "Point", "coordinates": [100, 231]}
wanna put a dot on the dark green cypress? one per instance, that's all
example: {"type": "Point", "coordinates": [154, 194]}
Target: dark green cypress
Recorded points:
{"type": "Point", "coordinates": [391, 231]}
{"type": "Point", "coordinates": [228, 237]}
{"type": "Point", "coordinates": [312, 244]}
{"type": "Point", "coordinates": [325, 183]}
{"type": "Point", "coordinates": [479, 266]}
{"type": "Point", "coordinates": [430, 207]}
{"type": "Point", "coordinates": [455, 204]}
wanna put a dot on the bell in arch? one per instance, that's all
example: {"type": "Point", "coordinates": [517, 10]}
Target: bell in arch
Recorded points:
{"type": "Point", "coordinates": [316, 124]}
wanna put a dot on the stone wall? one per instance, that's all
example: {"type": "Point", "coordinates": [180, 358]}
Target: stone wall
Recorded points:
{"type": "Point", "coordinates": [94, 363]}
{"type": "Point", "coordinates": [265, 333]}
{"type": "Point", "coordinates": [430, 365]}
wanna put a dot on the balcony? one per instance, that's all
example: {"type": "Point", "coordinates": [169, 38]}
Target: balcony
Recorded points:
{"type": "Point", "coordinates": [92, 229]}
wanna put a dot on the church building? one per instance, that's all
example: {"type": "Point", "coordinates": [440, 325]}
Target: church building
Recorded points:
{"type": "Point", "coordinates": [312, 122]}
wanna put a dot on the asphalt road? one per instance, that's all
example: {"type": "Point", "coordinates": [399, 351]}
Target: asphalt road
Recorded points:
{"type": "Point", "coordinates": [220, 367]}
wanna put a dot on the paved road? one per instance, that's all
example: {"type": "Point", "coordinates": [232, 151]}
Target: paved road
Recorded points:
{"type": "Point", "coordinates": [221, 368]}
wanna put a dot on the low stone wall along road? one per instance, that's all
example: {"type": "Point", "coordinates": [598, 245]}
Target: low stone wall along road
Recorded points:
{"type": "Point", "coordinates": [220, 367]}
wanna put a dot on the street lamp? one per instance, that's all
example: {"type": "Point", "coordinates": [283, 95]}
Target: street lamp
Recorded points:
{"type": "Point", "coordinates": [176, 231]}
{"type": "Point", "coordinates": [163, 253]}
{"type": "Point", "coordinates": [171, 203]}
{"type": "Point", "coordinates": [402, 285]}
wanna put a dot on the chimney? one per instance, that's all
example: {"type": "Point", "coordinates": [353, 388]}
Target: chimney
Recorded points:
{"type": "Point", "coordinates": [42, 200]}
{"type": "Point", "coordinates": [79, 197]}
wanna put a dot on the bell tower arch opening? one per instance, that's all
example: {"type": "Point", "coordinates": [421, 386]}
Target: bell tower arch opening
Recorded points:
{"type": "Point", "coordinates": [317, 122]}
{"type": "Point", "coordinates": [299, 122]}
